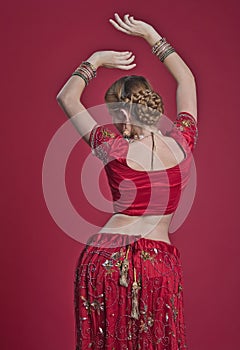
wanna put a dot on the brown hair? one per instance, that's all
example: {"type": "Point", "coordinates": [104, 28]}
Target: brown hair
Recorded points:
{"type": "Point", "coordinates": [135, 94]}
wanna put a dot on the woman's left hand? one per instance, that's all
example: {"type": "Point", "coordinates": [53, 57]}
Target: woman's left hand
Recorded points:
{"type": "Point", "coordinates": [129, 25]}
{"type": "Point", "coordinates": [113, 59]}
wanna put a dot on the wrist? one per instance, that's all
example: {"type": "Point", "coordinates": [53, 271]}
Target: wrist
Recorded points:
{"type": "Point", "coordinates": [86, 70]}
{"type": "Point", "coordinates": [94, 60]}
{"type": "Point", "coordinates": [152, 36]}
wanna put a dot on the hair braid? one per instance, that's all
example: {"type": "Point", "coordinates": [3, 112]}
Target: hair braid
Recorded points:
{"type": "Point", "coordinates": [135, 94]}
{"type": "Point", "coordinates": [148, 106]}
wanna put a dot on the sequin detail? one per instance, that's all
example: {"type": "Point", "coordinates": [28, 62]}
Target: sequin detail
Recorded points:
{"type": "Point", "coordinates": [106, 317]}
{"type": "Point", "coordinates": [101, 135]}
{"type": "Point", "coordinates": [99, 142]}
{"type": "Point", "coordinates": [187, 124]}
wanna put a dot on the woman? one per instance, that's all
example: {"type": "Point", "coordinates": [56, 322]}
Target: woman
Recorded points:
{"type": "Point", "coordinates": [129, 283]}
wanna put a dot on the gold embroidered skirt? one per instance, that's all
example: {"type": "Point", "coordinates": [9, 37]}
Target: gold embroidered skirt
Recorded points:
{"type": "Point", "coordinates": [128, 294]}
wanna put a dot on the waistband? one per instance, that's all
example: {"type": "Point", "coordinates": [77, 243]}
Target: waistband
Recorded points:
{"type": "Point", "coordinates": [115, 240]}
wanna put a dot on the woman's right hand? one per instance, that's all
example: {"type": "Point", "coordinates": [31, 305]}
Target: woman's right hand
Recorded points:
{"type": "Point", "coordinates": [112, 59]}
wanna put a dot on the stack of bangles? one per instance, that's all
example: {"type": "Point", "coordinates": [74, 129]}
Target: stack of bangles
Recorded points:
{"type": "Point", "coordinates": [162, 49]}
{"type": "Point", "coordinates": [86, 71]}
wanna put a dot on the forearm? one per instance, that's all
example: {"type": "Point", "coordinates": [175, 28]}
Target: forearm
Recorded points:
{"type": "Point", "coordinates": [75, 85]}
{"type": "Point", "coordinates": [69, 100]}
{"type": "Point", "coordinates": [174, 63]}
{"type": "Point", "coordinates": [72, 90]}
{"type": "Point", "coordinates": [186, 97]}
{"type": "Point", "coordinates": [70, 95]}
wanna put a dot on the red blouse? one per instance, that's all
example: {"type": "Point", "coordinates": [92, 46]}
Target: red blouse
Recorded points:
{"type": "Point", "coordinates": [135, 192]}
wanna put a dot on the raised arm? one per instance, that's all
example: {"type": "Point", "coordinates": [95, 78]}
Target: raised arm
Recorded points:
{"type": "Point", "coordinates": [69, 97]}
{"type": "Point", "coordinates": [186, 97]}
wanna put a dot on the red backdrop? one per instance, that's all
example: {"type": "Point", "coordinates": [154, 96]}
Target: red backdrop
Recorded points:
{"type": "Point", "coordinates": [42, 43]}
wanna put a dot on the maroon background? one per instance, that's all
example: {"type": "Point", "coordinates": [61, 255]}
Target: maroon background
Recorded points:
{"type": "Point", "coordinates": [42, 43]}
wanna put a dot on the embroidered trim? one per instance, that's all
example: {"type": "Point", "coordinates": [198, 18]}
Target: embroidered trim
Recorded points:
{"type": "Point", "coordinates": [92, 138]}
{"type": "Point", "coordinates": [99, 142]}
{"type": "Point", "coordinates": [185, 122]}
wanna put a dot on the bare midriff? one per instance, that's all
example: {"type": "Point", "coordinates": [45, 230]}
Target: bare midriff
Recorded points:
{"type": "Point", "coordinates": [153, 227]}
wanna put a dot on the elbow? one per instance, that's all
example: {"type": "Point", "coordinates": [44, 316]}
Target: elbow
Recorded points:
{"type": "Point", "coordinates": [188, 79]}
{"type": "Point", "coordinates": [63, 100]}
{"type": "Point", "coordinates": [192, 77]}
{"type": "Point", "coordinates": [67, 103]}
{"type": "Point", "coordinates": [191, 80]}
{"type": "Point", "coordinates": [60, 98]}
{"type": "Point", "coordinates": [186, 76]}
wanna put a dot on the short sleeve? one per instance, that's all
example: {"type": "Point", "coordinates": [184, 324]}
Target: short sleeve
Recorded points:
{"type": "Point", "coordinates": [187, 125]}
{"type": "Point", "coordinates": [100, 141]}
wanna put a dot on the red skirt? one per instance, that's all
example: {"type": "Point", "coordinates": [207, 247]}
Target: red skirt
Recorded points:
{"type": "Point", "coordinates": [128, 294]}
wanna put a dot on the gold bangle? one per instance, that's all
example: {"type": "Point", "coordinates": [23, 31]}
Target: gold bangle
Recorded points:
{"type": "Point", "coordinates": [94, 69]}
{"type": "Point", "coordinates": [162, 48]}
{"type": "Point", "coordinates": [157, 44]}
{"type": "Point", "coordinates": [168, 52]}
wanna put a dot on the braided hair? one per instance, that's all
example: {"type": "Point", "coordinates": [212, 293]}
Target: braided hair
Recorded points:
{"type": "Point", "coordinates": [135, 94]}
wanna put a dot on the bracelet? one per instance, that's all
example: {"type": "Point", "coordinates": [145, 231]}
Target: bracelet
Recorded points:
{"type": "Point", "coordinates": [157, 44]}
{"type": "Point", "coordinates": [94, 69]}
{"type": "Point", "coordinates": [162, 49]}
{"type": "Point", "coordinates": [166, 53]}
{"type": "Point", "coordinates": [86, 71]}
{"type": "Point", "coordinates": [82, 76]}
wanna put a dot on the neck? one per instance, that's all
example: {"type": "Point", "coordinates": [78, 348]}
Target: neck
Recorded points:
{"type": "Point", "coordinates": [146, 131]}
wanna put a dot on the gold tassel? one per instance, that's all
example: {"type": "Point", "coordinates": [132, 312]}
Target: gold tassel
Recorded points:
{"type": "Point", "coordinates": [124, 270]}
{"type": "Point", "coordinates": [135, 288]}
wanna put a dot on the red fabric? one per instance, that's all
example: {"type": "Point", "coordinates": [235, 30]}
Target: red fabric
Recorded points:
{"type": "Point", "coordinates": [141, 192]}
{"type": "Point", "coordinates": [103, 307]}
{"type": "Point", "coordinates": [108, 314]}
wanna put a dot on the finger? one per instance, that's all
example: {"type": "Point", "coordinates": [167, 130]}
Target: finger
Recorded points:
{"type": "Point", "coordinates": [118, 26]}
{"type": "Point", "coordinates": [127, 61]}
{"type": "Point", "coordinates": [125, 56]}
{"type": "Point", "coordinates": [123, 52]}
{"type": "Point", "coordinates": [121, 23]}
{"type": "Point", "coordinates": [126, 19]}
{"type": "Point", "coordinates": [126, 67]}
{"type": "Point", "coordinates": [132, 20]}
